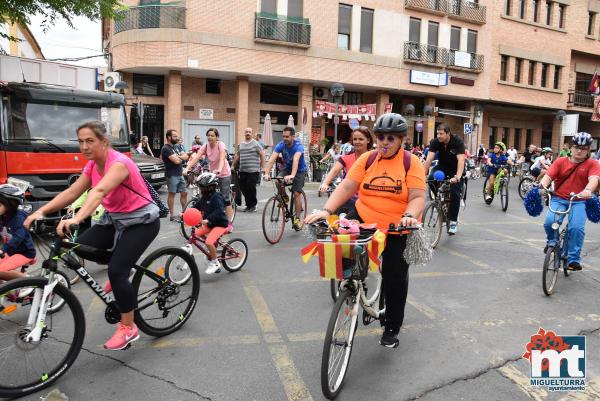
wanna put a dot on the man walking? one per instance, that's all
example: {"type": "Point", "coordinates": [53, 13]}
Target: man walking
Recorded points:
{"type": "Point", "coordinates": [451, 150]}
{"type": "Point", "coordinates": [249, 160]}
{"type": "Point", "coordinates": [174, 158]}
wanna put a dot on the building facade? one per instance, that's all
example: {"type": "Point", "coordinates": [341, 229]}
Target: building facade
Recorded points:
{"type": "Point", "coordinates": [26, 45]}
{"type": "Point", "coordinates": [506, 67]}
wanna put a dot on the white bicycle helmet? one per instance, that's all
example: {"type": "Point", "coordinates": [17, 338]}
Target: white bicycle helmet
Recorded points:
{"type": "Point", "coordinates": [582, 139]}
{"type": "Point", "coordinates": [207, 180]}
{"type": "Point", "coordinates": [12, 192]}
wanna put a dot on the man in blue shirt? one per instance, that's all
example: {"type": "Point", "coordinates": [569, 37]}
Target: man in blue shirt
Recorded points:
{"type": "Point", "coordinates": [294, 169]}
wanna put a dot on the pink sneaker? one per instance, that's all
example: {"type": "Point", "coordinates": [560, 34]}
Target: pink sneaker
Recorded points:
{"type": "Point", "coordinates": [122, 337]}
{"type": "Point", "coordinates": [107, 287]}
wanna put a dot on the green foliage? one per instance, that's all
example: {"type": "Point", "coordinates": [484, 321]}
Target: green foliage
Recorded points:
{"type": "Point", "coordinates": [21, 10]}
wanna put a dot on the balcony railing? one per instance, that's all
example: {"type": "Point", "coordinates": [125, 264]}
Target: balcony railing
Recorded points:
{"type": "Point", "coordinates": [467, 11]}
{"type": "Point", "coordinates": [288, 30]}
{"type": "Point", "coordinates": [435, 6]}
{"type": "Point", "coordinates": [581, 99]}
{"type": "Point", "coordinates": [150, 16]}
{"type": "Point", "coordinates": [426, 54]}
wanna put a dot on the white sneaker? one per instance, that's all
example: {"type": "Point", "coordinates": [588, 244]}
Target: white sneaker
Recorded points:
{"type": "Point", "coordinates": [213, 267]}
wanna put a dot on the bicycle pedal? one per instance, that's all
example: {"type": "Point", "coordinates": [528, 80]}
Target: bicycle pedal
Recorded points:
{"type": "Point", "coordinates": [367, 319]}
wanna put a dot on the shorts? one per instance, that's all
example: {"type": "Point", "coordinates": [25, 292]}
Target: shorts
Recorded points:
{"type": "Point", "coordinates": [176, 184]}
{"type": "Point", "coordinates": [536, 172]}
{"type": "Point", "coordinates": [13, 262]}
{"type": "Point", "coordinates": [492, 170]}
{"type": "Point", "coordinates": [213, 233]}
{"type": "Point", "coordinates": [298, 183]}
{"type": "Point", "coordinates": [225, 189]}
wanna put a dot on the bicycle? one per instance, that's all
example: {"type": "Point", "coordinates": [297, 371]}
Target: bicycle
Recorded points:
{"type": "Point", "coordinates": [500, 187]}
{"type": "Point", "coordinates": [435, 214]}
{"type": "Point", "coordinates": [40, 347]}
{"type": "Point", "coordinates": [556, 255]}
{"type": "Point", "coordinates": [277, 212]}
{"type": "Point", "coordinates": [526, 183]}
{"type": "Point", "coordinates": [339, 337]}
{"type": "Point", "coordinates": [329, 164]}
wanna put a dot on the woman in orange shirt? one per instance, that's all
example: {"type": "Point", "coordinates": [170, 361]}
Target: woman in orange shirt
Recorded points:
{"type": "Point", "coordinates": [387, 194]}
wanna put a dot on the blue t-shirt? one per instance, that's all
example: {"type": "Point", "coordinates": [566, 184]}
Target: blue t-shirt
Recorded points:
{"type": "Point", "coordinates": [498, 160]}
{"type": "Point", "coordinates": [288, 155]}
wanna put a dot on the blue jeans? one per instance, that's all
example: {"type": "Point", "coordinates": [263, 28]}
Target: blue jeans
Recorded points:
{"type": "Point", "coordinates": [576, 228]}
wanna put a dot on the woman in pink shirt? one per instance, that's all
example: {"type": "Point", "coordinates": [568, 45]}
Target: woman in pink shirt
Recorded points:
{"type": "Point", "coordinates": [127, 228]}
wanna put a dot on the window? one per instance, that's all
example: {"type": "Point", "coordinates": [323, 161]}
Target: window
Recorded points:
{"type": "Point", "coordinates": [472, 41]}
{"type": "Point", "coordinates": [536, 10]}
{"type": "Point", "coordinates": [556, 76]}
{"type": "Point", "coordinates": [518, 68]}
{"type": "Point", "coordinates": [269, 6]}
{"type": "Point", "coordinates": [344, 26]}
{"type": "Point", "coordinates": [148, 85]}
{"type": "Point", "coordinates": [517, 140]}
{"type": "Point", "coordinates": [294, 8]}
{"type": "Point", "coordinates": [279, 94]}
{"type": "Point", "coordinates": [531, 78]}
{"type": "Point", "coordinates": [507, 6]}
{"type": "Point", "coordinates": [366, 30]}
{"type": "Point", "coordinates": [548, 13]}
{"type": "Point", "coordinates": [582, 82]}
{"type": "Point", "coordinates": [591, 20]}
{"type": "Point", "coordinates": [528, 137]}
{"type": "Point", "coordinates": [522, 8]}
{"type": "Point", "coordinates": [213, 86]}
{"type": "Point", "coordinates": [561, 15]}
{"type": "Point", "coordinates": [503, 65]}
{"type": "Point", "coordinates": [492, 138]}
{"type": "Point", "coordinates": [414, 30]}
{"type": "Point", "coordinates": [544, 75]}
{"type": "Point", "coordinates": [352, 98]}
{"type": "Point", "coordinates": [455, 38]}
{"type": "Point", "coordinates": [505, 135]}
{"type": "Point", "coordinates": [433, 29]}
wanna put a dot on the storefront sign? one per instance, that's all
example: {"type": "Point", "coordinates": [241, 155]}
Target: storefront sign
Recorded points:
{"type": "Point", "coordinates": [206, 114]}
{"type": "Point", "coordinates": [357, 111]}
{"type": "Point", "coordinates": [462, 59]}
{"type": "Point", "coordinates": [428, 78]}
{"type": "Point", "coordinates": [462, 81]}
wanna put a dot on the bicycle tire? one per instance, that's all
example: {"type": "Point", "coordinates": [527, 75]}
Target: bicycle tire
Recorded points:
{"type": "Point", "coordinates": [234, 265]}
{"type": "Point", "coordinates": [186, 231]}
{"type": "Point", "coordinates": [334, 289]}
{"type": "Point", "coordinates": [44, 376]}
{"type": "Point", "coordinates": [550, 271]}
{"type": "Point", "coordinates": [160, 294]}
{"type": "Point", "coordinates": [273, 217]}
{"type": "Point", "coordinates": [525, 186]}
{"type": "Point", "coordinates": [432, 223]}
{"type": "Point", "coordinates": [485, 184]}
{"type": "Point", "coordinates": [564, 239]}
{"type": "Point", "coordinates": [504, 195]}
{"type": "Point", "coordinates": [345, 305]}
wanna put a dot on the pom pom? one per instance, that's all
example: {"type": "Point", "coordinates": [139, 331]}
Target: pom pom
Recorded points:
{"type": "Point", "coordinates": [533, 202]}
{"type": "Point", "coordinates": [192, 217]}
{"type": "Point", "coordinates": [439, 175]}
{"type": "Point", "coordinates": [592, 209]}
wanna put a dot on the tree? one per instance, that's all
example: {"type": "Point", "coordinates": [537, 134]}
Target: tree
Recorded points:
{"type": "Point", "coordinates": [19, 11]}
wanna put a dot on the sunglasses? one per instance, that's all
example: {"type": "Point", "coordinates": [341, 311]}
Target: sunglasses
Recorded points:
{"type": "Point", "coordinates": [390, 138]}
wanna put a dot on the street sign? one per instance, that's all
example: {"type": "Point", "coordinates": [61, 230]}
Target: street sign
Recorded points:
{"type": "Point", "coordinates": [468, 128]}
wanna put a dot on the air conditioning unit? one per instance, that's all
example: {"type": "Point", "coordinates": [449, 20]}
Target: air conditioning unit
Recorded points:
{"type": "Point", "coordinates": [321, 93]}
{"type": "Point", "coordinates": [110, 80]}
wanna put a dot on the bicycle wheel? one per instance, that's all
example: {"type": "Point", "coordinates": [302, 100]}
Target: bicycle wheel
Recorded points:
{"type": "Point", "coordinates": [550, 270]}
{"type": "Point", "coordinates": [432, 223]}
{"type": "Point", "coordinates": [234, 254]}
{"type": "Point", "coordinates": [339, 339]}
{"type": "Point", "coordinates": [186, 231]}
{"type": "Point", "coordinates": [31, 366]}
{"type": "Point", "coordinates": [233, 207]}
{"type": "Point", "coordinates": [564, 239]}
{"type": "Point", "coordinates": [163, 305]}
{"type": "Point", "coordinates": [334, 289]}
{"type": "Point", "coordinates": [304, 205]}
{"type": "Point", "coordinates": [504, 194]}
{"type": "Point", "coordinates": [176, 269]}
{"type": "Point", "coordinates": [525, 186]}
{"type": "Point", "coordinates": [273, 220]}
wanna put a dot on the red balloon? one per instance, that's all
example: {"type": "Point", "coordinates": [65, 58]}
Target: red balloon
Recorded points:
{"type": "Point", "coordinates": [192, 217]}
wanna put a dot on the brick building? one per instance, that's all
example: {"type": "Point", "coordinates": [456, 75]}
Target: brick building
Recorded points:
{"type": "Point", "coordinates": [506, 66]}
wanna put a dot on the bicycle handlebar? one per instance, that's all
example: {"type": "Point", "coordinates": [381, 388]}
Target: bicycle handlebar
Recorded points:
{"type": "Point", "coordinates": [572, 197]}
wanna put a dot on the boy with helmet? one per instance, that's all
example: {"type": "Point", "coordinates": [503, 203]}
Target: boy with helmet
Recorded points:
{"type": "Point", "coordinates": [577, 174]}
{"type": "Point", "coordinates": [542, 163]}
{"type": "Point", "coordinates": [496, 161]}
{"type": "Point", "coordinates": [214, 218]}
{"type": "Point", "coordinates": [17, 246]}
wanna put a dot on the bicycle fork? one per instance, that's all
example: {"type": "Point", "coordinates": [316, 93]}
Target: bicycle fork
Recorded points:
{"type": "Point", "coordinates": [39, 306]}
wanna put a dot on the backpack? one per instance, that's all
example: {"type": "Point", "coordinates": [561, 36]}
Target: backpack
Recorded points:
{"type": "Point", "coordinates": [373, 155]}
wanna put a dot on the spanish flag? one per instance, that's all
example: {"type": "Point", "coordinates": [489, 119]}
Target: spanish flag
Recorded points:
{"type": "Point", "coordinates": [595, 84]}
{"type": "Point", "coordinates": [375, 249]}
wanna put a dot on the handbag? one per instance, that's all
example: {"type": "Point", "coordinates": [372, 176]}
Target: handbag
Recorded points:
{"type": "Point", "coordinates": [163, 210]}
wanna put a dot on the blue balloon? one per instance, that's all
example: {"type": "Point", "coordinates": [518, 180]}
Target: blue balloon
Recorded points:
{"type": "Point", "coordinates": [439, 175]}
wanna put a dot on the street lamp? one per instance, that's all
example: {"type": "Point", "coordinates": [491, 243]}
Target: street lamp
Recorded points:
{"type": "Point", "coordinates": [337, 91]}
{"type": "Point", "coordinates": [560, 116]}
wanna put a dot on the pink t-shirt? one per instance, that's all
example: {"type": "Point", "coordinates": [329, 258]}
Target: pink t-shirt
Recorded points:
{"type": "Point", "coordinates": [214, 155]}
{"type": "Point", "coordinates": [120, 199]}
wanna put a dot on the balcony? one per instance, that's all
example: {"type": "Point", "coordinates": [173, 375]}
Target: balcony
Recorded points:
{"type": "Point", "coordinates": [424, 54]}
{"type": "Point", "coordinates": [150, 16]}
{"type": "Point", "coordinates": [432, 6]}
{"type": "Point", "coordinates": [467, 11]}
{"type": "Point", "coordinates": [278, 29]}
{"type": "Point", "coordinates": [464, 60]}
{"type": "Point", "coordinates": [581, 99]}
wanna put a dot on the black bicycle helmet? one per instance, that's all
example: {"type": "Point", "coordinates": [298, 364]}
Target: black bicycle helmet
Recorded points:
{"type": "Point", "coordinates": [390, 123]}
{"type": "Point", "coordinates": [207, 180]}
{"type": "Point", "coordinates": [12, 193]}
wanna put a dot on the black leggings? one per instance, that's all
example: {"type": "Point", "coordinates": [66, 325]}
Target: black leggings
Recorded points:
{"type": "Point", "coordinates": [129, 248]}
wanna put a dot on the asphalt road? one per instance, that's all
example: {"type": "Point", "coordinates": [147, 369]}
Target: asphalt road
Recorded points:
{"type": "Point", "coordinates": [258, 334]}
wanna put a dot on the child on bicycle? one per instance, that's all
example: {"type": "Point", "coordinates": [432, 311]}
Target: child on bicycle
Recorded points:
{"type": "Point", "coordinates": [17, 246]}
{"type": "Point", "coordinates": [542, 164]}
{"type": "Point", "coordinates": [214, 218]}
{"type": "Point", "coordinates": [495, 162]}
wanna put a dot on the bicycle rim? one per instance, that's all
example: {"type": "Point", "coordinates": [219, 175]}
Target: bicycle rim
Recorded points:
{"type": "Point", "coordinates": [550, 271]}
{"type": "Point", "coordinates": [338, 344]}
{"type": "Point", "coordinates": [164, 306]}
{"type": "Point", "coordinates": [186, 231]}
{"type": "Point", "coordinates": [273, 221]}
{"type": "Point", "coordinates": [28, 367]}
{"type": "Point", "coordinates": [432, 224]}
{"type": "Point", "coordinates": [177, 270]}
{"type": "Point", "coordinates": [504, 195]}
{"type": "Point", "coordinates": [234, 254]}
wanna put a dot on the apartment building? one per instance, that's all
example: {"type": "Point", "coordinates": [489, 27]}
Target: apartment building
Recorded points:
{"type": "Point", "coordinates": [507, 67]}
{"type": "Point", "coordinates": [26, 45]}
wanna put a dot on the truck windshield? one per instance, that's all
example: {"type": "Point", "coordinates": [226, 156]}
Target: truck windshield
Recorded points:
{"type": "Point", "coordinates": [57, 122]}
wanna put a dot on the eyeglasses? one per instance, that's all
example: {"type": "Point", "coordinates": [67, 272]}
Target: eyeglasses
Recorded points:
{"type": "Point", "coordinates": [581, 148]}
{"type": "Point", "coordinates": [390, 138]}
